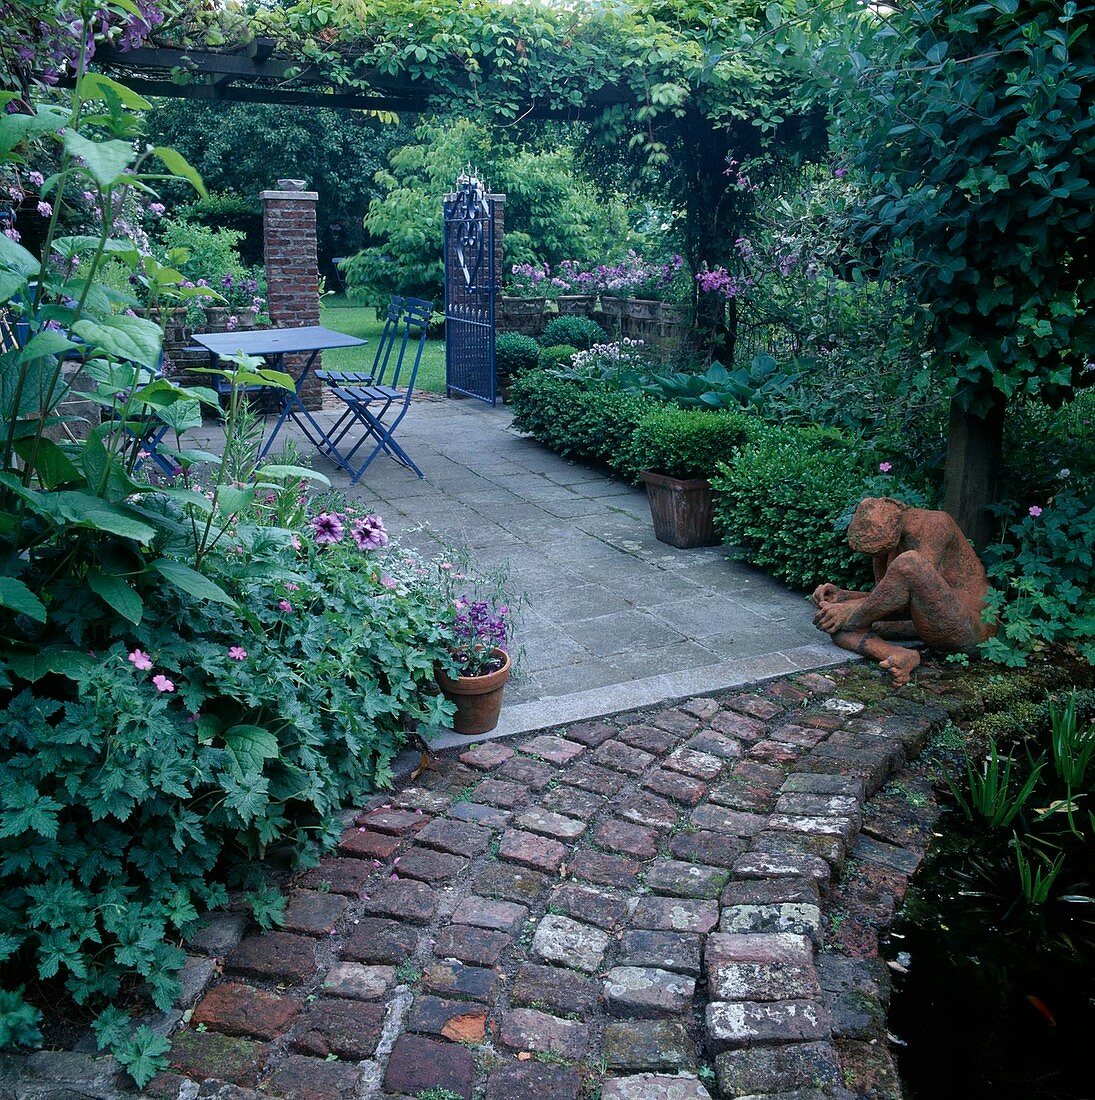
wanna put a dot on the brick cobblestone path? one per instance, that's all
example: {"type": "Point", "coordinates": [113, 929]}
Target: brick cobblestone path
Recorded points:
{"type": "Point", "coordinates": [623, 909]}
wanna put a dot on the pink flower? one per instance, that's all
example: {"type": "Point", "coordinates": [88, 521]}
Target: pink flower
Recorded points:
{"type": "Point", "coordinates": [389, 582]}
{"type": "Point", "coordinates": [237, 653]}
{"type": "Point", "coordinates": [885, 467]}
{"type": "Point", "coordinates": [36, 178]}
{"type": "Point", "coordinates": [294, 542]}
{"type": "Point", "coordinates": [163, 683]}
{"type": "Point", "coordinates": [44, 209]}
{"type": "Point", "coordinates": [1035, 511]}
{"type": "Point", "coordinates": [290, 587]}
{"type": "Point", "coordinates": [140, 660]}
{"type": "Point", "coordinates": [284, 605]}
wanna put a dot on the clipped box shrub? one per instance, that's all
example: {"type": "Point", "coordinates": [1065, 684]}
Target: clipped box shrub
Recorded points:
{"type": "Point", "coordinates": [579, 332]}
{"type": "Point", "coordinates": [554, 356]}
{"type": "Point", "coordinates": [578, 421]}
{"type": "Point", "coordinates": [514, 354]}
{"type": "Point", "coordinates": [684, 443]}
{"type": "Point", "coordinates": [782, 498]}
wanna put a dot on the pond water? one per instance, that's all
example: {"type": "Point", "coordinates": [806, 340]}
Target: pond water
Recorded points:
{"type": "Point", "coordinates": [995, 1003]}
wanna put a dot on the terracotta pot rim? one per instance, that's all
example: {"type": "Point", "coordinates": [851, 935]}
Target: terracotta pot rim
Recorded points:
{"type": "Point", "coordinates": [657, 478]}
{"type": "Point", "coordinates": [476, 685]}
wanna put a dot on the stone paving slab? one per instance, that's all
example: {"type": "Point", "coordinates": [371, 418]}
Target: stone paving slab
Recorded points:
{"type": "Point", "coordinates": [547, 966]}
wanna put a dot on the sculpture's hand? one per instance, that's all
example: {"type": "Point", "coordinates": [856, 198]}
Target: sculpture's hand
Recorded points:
{"type": "Point", "coordinates": [835, 617]}
{"type": "Point", "coordinates": [825, 593]}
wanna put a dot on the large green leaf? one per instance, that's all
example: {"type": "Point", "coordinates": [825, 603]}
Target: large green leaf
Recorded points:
{"type": "Point", "coordinates": [17, 128]}
{"type": "Point", "coordinates": [231, 500]}
{"type": "Point", "coordinates": [88, 510]}
{"type": "Point", "coordinates": [250, 746]}
{"type": "Point", "coordinates": [61, 661]}
{"type": "Point", "coordinates": [181, 416]}
{"type": "Point", "coordinates": [116, 593]}
{"type": "Point", "coordinates": [278, 472]}
{"type": "Point", "coordinates": [16, 258]}
{"type": "Point", "coordinates": [16, 596]}
{"type": "Point", "coordinates": [191, 581]}
{"type": "Point", "coordinates": [46, 342]}
{"type": "Point", "coordinates": [52, 466]}
{"type": "Point", "coordinates": [135, 339]}
{"type": "Point", "coordinates": [178, 165]}
{"type": "Point", "coordinates": [105, 160]}
{"type": "Point", "coordinates": [105, 473]}
{"type": "Point", "coordinates": [98, 86]}
{"type": "Point", "coordinates": [83, 245]}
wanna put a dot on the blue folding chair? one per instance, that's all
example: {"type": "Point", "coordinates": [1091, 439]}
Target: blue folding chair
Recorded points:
{"type": "Point", "coordinates": [377, 406]}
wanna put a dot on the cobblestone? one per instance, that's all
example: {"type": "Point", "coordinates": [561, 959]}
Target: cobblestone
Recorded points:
{"type": "Point", "coordinates": [679, 951]}
{"type": "Point", "coordinates": [406, 899]}
{"type": "Point", "coordinates": [648, 1045]}
{"type": "Point", "coordinates": [680, 788]}
{"type": "Point", "coordinates": [649, 739]}
{"type": "Point", "coordinates": [563, 990]}
{"type": "Point", "coordinates": [605, 869]}
{"type": "Point", "coordinates": [312, 1079]}
{"type": "Point", "coordinates": [538, 852]}
{"type": "Point", "coordinates": [570, 943]}
{"type": "Point", "coordinates": [534, 775]}
{"type": "Point", "coordinates": [548, 823]}
{"type": "Point", "coordinates": [237, 1009]}
{"type": "Point", "coordinates": [457, 980]}
{"type": "Point", "coordinates": [555, 750]}
{"type": "Point", "coordinates": [418, 1064]}
{"type": "Point", "coordinates": [685, 880]}
{"type": "Point", "coordinates": [487, 756]}
{"type": "Point", "coordinates": [622, 758]}
{"type": "Point", "coordinates": [457, 1021]}
{"type": "Point", "coordinates": [643, 992]}
{"type": "Point", "coordinates": [346, 1029]}
{"type": "Point", "coordinates": [627, 839]}
{"type": "Point", "coordinates": [676, 914]}
{"type": "Point", "coordinates": [275, 956]}
{"type": "Point", "coordinates": [358, 981]}
{"type": "Point", "coordinates": [313, 913]}
{"type": "Point", "coordinates": [380, 941]}
{"type": "Point", "coordinates": [455, 837]}
{"type": "Point", "coordinates": [498, 916]}
{"type": "Point", "coordinates": [531, 1079]}
{"type": "Point", "coordinates": [604, 908]}
{"type": "Point", "coordinates": [530, 1029]}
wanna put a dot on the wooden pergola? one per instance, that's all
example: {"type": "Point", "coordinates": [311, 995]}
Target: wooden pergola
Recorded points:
{"type": "Point", "coordinates": [256, 73]}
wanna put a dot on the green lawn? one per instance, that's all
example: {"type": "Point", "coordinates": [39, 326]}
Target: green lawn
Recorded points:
{"type": "Point", "coordinates": [343, 315]}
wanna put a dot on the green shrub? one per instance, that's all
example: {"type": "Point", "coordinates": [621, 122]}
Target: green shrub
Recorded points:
{"type": "Point", "coordinates": [581, 332]}
{"type": "Point", "coordinates": [780, 501]}
{"type": "Point", "coordinates": [590, 423]}
{"type": "Point", "coordinates": [555, 356]}
{"type": "Point", "coordinates": [684, 443]}
{"type": "Point", "coordinates": [1044, 578]}
{"type": "Point", "coordinates": [514, 354]}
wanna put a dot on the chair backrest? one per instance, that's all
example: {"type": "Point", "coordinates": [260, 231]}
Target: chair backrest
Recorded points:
{"type": "Point", "coordinates": [415, 327]}
{"type": "Point", "coordinates": [388, 335]}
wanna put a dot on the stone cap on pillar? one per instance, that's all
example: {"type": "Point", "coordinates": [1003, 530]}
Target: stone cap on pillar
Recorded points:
{"type": "Point", "coordinates": [299, 196]}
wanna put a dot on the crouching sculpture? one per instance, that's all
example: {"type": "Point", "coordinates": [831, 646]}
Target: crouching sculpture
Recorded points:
{"type": "Point", "coordinates": [930, 586]}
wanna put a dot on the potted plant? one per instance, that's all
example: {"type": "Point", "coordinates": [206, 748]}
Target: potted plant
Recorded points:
{"type": "Point", "coordinates": [674, 451]}
{"type": "Point", "coordinates": [480, 625]}
{"type": "Point", "coordinates": [578, 296]}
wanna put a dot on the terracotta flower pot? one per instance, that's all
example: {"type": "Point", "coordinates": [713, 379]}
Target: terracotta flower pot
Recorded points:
{"type": "Point", "coordinates": [478, 699]}
{"type": "Point", "coordinates": [575, 305]}
{"type": "Point", "coordinates": [681, 510]}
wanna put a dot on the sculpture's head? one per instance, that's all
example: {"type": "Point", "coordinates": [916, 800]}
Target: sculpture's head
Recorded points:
{"type": "Point", "coordinates": [876, 525]}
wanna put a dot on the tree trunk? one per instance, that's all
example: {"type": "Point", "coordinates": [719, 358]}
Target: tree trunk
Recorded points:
{"type": "Point", "coordinates": [974, 446]}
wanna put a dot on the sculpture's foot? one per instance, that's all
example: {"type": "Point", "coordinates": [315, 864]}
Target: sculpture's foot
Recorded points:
{"type": "Point", "coordinates": [900, 665]}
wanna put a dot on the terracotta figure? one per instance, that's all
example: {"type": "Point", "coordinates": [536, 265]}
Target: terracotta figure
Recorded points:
{"type": "Point", "coordinates": [929, 585]}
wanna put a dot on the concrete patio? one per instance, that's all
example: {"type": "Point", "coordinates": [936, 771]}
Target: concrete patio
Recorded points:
{"type": "Point", "coordinates": [615, 619]}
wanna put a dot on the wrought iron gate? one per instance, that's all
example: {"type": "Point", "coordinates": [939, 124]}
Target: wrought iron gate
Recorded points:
{"type": "Point", "coordinates": [469, 290]}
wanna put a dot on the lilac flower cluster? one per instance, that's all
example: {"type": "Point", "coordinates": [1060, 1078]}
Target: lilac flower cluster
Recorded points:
{"type": "Point", "coordinates": [367, 532]}
{"type": "Point", "coordinates": [632, 275]}
{"type": "Point", "coordinates": [718, 280]}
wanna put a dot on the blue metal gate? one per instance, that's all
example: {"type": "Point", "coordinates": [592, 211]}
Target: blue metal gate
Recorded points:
{"type": "Point", "coordinates": [469, 291]}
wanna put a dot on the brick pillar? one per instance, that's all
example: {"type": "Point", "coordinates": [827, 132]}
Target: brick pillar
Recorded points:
{"type": "Point", "coordinates": [498, 209]}
{"type": "Point", "coordinates": [292, 271]}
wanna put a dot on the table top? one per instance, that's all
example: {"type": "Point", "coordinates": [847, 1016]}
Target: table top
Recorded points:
{"type": "Point", "coordinates": [275, 341]}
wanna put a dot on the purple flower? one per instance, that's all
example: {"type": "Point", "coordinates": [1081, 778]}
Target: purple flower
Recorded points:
{"type": "Point", "coordinates": [36, 178]}
{"type": "Point", "coordinates": [328, 528]}
{"type": "Point", "coordinates": [156, 209]}
{"type": "Point", "coordinates": [885, 467]}
{"type": "Point", "coordinates": [1035, 511]}
{"type": "Point", "coordinates": [369, 533]}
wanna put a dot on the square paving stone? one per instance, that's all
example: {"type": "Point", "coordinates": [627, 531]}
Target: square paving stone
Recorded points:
{"type": "Point", "coordinates": [605, 869]}
{"type": "Point", "coordinates": [538, 852]}
{"type": "Point", "coordinates": [476, 946]}
{"type": "Point", "coordinates": [498, 916]}
{"type": "Point", "coordinates": [409, 900]}
{"type": "Point", "coordinates": [417, 1065]}
{"type": "Point", "coordinates": [591, 777]}
{"type": "Point", "coordinates": [622, 758]}
{"type": "Point", "coordinates": [754, 706]}
{"type": "Point", "coordinates": [792, 917]}
{"type": "Point", "coordinates": [648, 1044]}
{"type": "Point", "coordinates": [454, 979]}
{"type": "Point", "coordinates": [203, 1055]}
{"type": "Point", "coordinates": [570, 943]}
{"type": "Point", "coordinates": [779, 1069]}
{"type": "Point", "coordinates": [676, 914]}
{"type": "Point", "coordinates": [275, 957]}
{"type": "Point", "coordinates": [555, 750]}
{"type": "Point", "coordinates": [705, 846]}
{"type": "Point", "coordinates": [563, 990]}
{"type": "Point", "coordinates": [733, 1024]}
{"type": "Point", "coordinates": [772, 891]}
{"type": "Point", "coordinates": [648, 738]}
{"type": "Point", "coordinates": [457, 1021]}
{"type": "Point", "coordinates": [572, 802]}
{"type": "Point", "coordinates": [724, 820]}
{"type": "Point", "coordinates": [527, 773]}
{"type": "Point", "coordinates": [381, 941]}
{"type": "Point", "coordinates": [301, 1078]}
{"type": "Point", "coordinates": [456, 837]}
{"type": "Point", "coordinates": [531, 1029]}
{"type": "Point", "coordinates": [347, 1029]}
{"type": "Point", "coordinates": [430, 866]}
{"type": "Point", "coordinates": [626, 838]}
{"type": "Point", "coordinates": [313, 912]}
{"type": "Point", "coordinates": [363, 843]}
{"type": "Point", "coordinates": [510, 882]}
{"type": "Point", "coordinates": [479, 814]}
{"type": "Point", "coordinates": [500, 792]}
{"type": "Point", "coordinates": [650, 810]}
{"type": "Point", "coordinates": [654, 1086]}
{"type": "Point", "coordinates": [680, 788]}
{"type": "Point", "coordinates": [685, 880]}
{"type": "Point", "coordinates": [590, 733]}
{"type": "Point", "coordinates": [679, 951]}
{"type": "Point", "coordinates": [603, 908]}
{"type": "Point", "coordinates": [531, 1079]}
{"type": "Point", "coordinates": [647, 993]}
{"type": "Point", "coordinates": [486, 756]}
{"type": "Point", "coordinates": [548, 823]}
{"type": "Point", "coordinates": [767, 967]}
{"type": "Point", "coordinates": [358, 981]}
{"type": "Point", "coordinates": [237, 1009]}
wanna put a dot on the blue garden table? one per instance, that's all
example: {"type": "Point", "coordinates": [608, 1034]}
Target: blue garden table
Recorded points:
{"type": "Point", "coordinates": [273, 344]}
